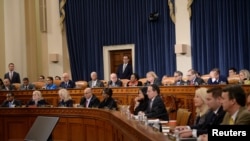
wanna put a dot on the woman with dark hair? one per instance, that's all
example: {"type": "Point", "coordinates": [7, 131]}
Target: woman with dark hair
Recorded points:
{"type": "Point", "coordinates": [141, 101]}
{"type": "Point", "coordinates": [134, 80]}
{"type": "Point", "coordinates": [108, 102]}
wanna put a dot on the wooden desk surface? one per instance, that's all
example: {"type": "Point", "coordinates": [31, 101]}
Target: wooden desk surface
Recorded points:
{"type": "Point", "coordinates": [76, 124]}
{"type": "Point", "coordinates": [183, 96]}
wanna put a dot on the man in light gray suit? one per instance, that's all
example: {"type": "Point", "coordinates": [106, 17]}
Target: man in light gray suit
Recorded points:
{"type": "Point", "coordinates": [94, 82]}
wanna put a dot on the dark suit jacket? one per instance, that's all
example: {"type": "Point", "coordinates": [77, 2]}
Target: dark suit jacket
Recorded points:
{"type": "Point", "coordinates": [127, 72]}
{"type": "Point", "coordinates": [15, 77]}
{"type": "Point", "coordinates": [141, 107]}
{"type": "Point", "coordinates": [99, 83]}
{"type": "Point", "coordinates": [220, 80]}
{"type": "Point", "coordinates": [30, 87]}
{"type": "Point", "coordinates": [68, 103]}
{"type": "Point", "coordinates": [118, 83]}
{"type": "Point", "coordinates": [210, 119]}
{"type": "Point", "coordinates": [108, 103]}
{"type": "Point", "coordinates": [158, 109]}
{"type": "Point", "coordinates": [156, 81]}
{"type": "Point", "coordinates": [197, 81]}
{"type": "Point", "coordinates": [17, 103]}
{"type": "Point", "coordinates": [11, 88]}
{"type": "Point", "coordinates": [71, 84]}
{"type": "Point", "coordinates": [242, 118]}
{"type": "Point", "coordinates": [94, 101]}
{"type": "Point", "coordinates": [40, 103]}
{"type": "Point", "coordinates": [180, 82]}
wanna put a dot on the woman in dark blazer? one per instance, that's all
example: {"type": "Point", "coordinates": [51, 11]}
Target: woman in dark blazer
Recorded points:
{"type": "Point", "coordinates": [108, 102]}
{"type": "Point", "coordinates": [37, 100]}
{"type": "Point", "coordinates": [141, 101]}
{"type": "Point", "coordinates": [65, 98]}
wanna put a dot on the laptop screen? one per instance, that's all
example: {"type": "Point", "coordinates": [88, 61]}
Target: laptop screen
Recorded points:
{"type": "Point", "coordinates": [41, 128]}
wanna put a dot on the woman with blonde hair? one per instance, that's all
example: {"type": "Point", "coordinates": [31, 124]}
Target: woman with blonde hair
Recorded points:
{"type": "Point", "coordinates": [200, 104]}
{"type": "Point", "coordinates": [152, 78]}
{"type": "Point", "coordinates": [244, 76]}
{"type": "Point", "coordinates": [65, 98]}
{"type": "Point", "coordinates": [37, 100]}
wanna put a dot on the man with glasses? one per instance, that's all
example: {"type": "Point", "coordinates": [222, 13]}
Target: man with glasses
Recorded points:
{"type": "Point", "coordinates": [193, 79]}
{"type": "Point", "coordinates": [11, 101]}
{"type": "Point", "coordinates": [178, 78]}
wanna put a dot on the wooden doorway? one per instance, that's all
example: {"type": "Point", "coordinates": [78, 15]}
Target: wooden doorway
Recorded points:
{"type": "Point", "coordinates": [116, 57]}
{"type": "Point", "coordinates": [107, 57]}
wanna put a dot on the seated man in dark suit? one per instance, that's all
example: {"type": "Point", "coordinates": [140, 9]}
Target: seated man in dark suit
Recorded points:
{"type": "Point", "coordinates": [89, 100]}
{"type": "Point", "coordinates": [156, 107]}
{"type": "Point", "coordinates": [7, 85]}
{"type": "Point", "coordinates": [214, 116]}
{"type": "Point", "coordinates": [26, 85]}
{"type": "Point", "coordinates": [114, 81]}
{"type": "Point", "coordinates": [94, 82]}
{"type": "Point", "coordinates": [67, 83]}
{"type": "Point", "coordinates": [11, 101]}
{"type": "Point", "coordinates": [178, 78]}
{"type": "Point", "coordinates": [193, 79]}
{"type": "Point", "coordinates": [216, 77]}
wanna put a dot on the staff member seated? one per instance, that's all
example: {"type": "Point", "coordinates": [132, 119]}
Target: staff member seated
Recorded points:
{"type": "Point", "coordinates": [11, 101]}
{"type": "Point", "coordinates": [37, 100]}
{"type": "Point", "coordinates": [108, 102]}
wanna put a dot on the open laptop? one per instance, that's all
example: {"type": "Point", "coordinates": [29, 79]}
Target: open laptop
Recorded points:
{"type": "Point", "coordinates": [41, 129]}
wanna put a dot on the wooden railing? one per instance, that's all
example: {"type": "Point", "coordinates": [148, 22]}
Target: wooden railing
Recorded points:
{"type": "Point", "coordinates": [76, 124]}
{"type": "Point", "coordinates": [174, 96]}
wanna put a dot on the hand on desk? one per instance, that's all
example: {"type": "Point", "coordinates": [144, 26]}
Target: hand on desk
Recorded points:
{"type": "Point", "coordinates": [185, 133]}
{"type": "Point", "coordinates": [203, 137]}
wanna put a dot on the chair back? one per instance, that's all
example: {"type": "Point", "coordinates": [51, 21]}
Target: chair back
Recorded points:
{"type": "Point", "coordinates": [81, 84]}
{"type": "Point", "coordinates": [233, 79]}
{"type": "Point", "coordinates": [57, 82]}
{"type": "Point", "coordinates": [17, 85]}
{"type": "Point", "coordinates": [39, 85]}
{"type": "Point", "coordinates": [143, 80]}
{"type": "Point", "coordinates": [205, 77]}
{"type": "Point", "coordinates": [168, 81]}
{"type": "Point", "coordinates": [183, 116]}
{"type": "Point", "coordinates": [105, 83]}
{"type": "Point", "coordinates": [124, 82]}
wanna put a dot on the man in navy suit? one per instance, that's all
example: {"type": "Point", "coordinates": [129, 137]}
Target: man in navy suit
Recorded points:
{"type": "Point", "coordinates": [13, 76]}
{"type": "Point", "coordinates": [124, 70]}
{"type": "Point", "coordinates": [156, 107]}
{"type": "Point", "coordinates": [67, 83]}
{"type": "Point", "coordinates": [216, 77]}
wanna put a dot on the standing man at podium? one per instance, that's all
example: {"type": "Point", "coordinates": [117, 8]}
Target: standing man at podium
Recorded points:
{"type": "Point", "coordinates": [13, 76]}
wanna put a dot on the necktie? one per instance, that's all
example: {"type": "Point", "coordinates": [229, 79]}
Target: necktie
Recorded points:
{"type": "Point", "coordinates": [124, 66]}
{"type": "Point", "coordinates": [11, 75]}
{"type": "Point", "coordinates": [87, 102]}
{"type": "Point", "coordinates": [231, 121]}
{"type": "Point", "coordinates": [151, 104]}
